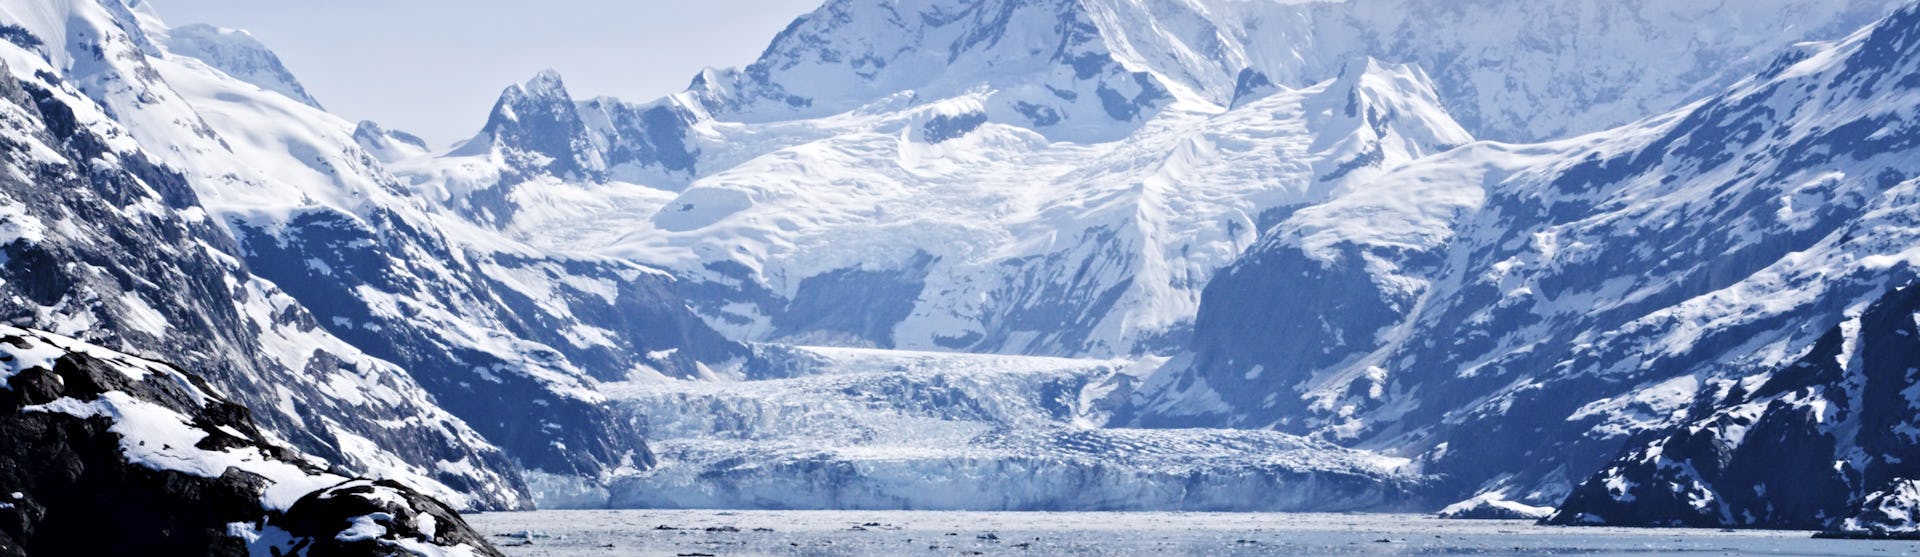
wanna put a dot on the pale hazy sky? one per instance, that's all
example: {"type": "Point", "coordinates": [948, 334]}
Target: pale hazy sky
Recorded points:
{"type": "Point", "coordinates": [434, 67]}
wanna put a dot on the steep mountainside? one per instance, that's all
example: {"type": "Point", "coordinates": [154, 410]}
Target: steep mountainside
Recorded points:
{"type": "Point", "coordinates": [1512, 315]}
{"type": "Point", "coordinates": [509, 337]}
{"type": "Point", "coordinates": [100, 241]}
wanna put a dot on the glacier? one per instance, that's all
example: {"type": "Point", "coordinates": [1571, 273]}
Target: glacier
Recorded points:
{"type": "Point", "coordinates": [898, 430]}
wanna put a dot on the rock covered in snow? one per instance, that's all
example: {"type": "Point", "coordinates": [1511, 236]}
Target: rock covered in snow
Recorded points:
{"type": "Point", "coordinates": [1491, 506]}
{"type": "Point", "coordinates": [367, 517]}
{"type": "Point", "coordinates": [861, 103]}
{"type": "Point", "coordinates": [1888, 514]}
{"type": "Point", "coordinates": [102, 453]}
{"type": "Point", "coordinates": [832, 240]}
{"type": "Point", "coordinates": [1797, 447]}
{"type": "Point", "coordinates": [1095, 69]}
{"type": "Point", "coordinates": [388, 145]}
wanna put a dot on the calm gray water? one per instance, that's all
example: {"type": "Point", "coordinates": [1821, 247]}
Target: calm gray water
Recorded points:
{"type": "Point", "coordinates": [891, 533]}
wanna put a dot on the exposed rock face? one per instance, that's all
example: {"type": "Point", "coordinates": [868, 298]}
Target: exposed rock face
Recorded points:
{"type": "Point", "coordinates": [102, 453]}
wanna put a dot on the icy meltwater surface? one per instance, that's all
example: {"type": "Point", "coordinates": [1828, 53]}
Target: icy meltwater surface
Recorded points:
{"type": "Point", "coordinates": [892, 533]}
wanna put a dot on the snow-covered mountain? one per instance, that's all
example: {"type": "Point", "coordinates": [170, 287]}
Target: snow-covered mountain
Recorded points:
{"type": "Point", "coordinates": [1056, 177]}
{"type": "Point", "coordinates": [932, 227]}
{"type": "Point", "coordinates": [1090, 68]}
{"type": "Point", "coordinates": [103, 242]}
{"type": "Point", "coordinates": [228, 180]}
{"type": "Point", "coordinates": [1273, 192]}
{"type": "Point", "coordinates": [388, 145]}
{"type": "Point", "coordinates": [1824, 437]}
{"type": "Point", "coordinates": [1512, 315]}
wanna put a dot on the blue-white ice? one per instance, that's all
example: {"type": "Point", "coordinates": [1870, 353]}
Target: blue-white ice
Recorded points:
{"type": "Point", "coordinates": [864, 533]}
{"type": "Point", "coordinates": [872, 429]}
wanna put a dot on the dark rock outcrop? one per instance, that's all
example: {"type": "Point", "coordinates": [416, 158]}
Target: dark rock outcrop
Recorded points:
{"type": "Point", "coordinates": [107, 454]}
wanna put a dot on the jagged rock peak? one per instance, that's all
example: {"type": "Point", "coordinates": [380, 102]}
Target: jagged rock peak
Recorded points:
{"type": "Point", "coordinates": [537, 127]}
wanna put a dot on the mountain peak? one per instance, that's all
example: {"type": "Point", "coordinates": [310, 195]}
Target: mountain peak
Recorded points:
{"type": "Point", "coordinates": [536, 125]}
{"type": "Point", "coordinates": [546, 83]}
{"type": "Point", "coordinates": [1374, 112]}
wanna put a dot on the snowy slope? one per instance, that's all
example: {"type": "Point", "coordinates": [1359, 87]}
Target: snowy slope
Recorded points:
{"type": "Point", "coordinates": [1511, 315]}
{"type": "Point", "coordinates": [236, 53]}
{"type": "Point", "coordinates": [1063, 177]}
{"type": "Point", "coordinates": [867, 429]}
{"type": "Point", "coordinates": [388, 145]}
{"type": "Point", "coordinates": [483, 322]}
